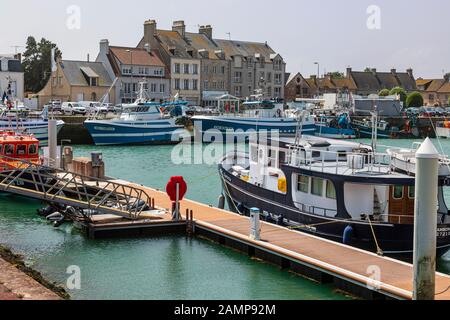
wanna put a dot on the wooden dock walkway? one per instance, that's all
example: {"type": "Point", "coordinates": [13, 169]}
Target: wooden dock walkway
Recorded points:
{"type": "Point", "coordinates": [348, 264]}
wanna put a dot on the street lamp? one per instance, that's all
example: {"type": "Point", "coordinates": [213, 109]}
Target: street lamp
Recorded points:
{"type": "Point", "coordinates": [132, 78]}
{"type": "Point", "coordinates": [318, 77]}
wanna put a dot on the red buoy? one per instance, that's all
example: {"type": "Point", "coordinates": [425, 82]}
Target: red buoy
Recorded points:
{"type": "Point", "coordinates": [171, 188]}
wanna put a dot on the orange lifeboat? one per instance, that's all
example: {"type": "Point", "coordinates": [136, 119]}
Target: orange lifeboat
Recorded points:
{"type": "Point", "coordinates": [18, 149]}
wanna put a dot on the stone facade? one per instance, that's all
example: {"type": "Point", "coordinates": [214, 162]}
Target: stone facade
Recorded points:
{"type": "Point", "coordinates": [435, 92]}
{"type": "Point", "coordinates": [75, 81]}
{"type": "Point", "coordinates": [132, 66]}
{"type": "Point", "coordinates": [179, 57]}
{"type": "Point", "coordinates": [237, 67]}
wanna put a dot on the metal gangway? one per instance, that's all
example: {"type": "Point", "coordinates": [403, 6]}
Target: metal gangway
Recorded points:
{"type": "Point", "coordinates": [57, 186]}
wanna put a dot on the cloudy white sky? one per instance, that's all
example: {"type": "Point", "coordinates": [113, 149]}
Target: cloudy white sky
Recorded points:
{"type": "Point", "coordinates": [335, 33]}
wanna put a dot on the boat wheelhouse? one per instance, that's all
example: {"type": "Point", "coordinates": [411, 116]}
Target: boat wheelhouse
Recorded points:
{"type": "Point", "coordinates": [19, 120]}
{"type": "Point", "coordinates": [335, 127]}
{"type": "Point", "coordinates": [443, 129]}
{"type": "Point", "coordinates": [17, 149]}
{"type": "Point", "coordinates": [250, 117]}
{"type": "Point", "coordinates": [343, 191]}
{"type": "Point", "coordinates": [142, 122]}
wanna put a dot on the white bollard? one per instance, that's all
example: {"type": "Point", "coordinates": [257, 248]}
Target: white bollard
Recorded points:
{"type": "Point", "coordinates": [255, 232]}
{"type": "Point", "coordinates": [425, 224]}
{"type": "Point", "coordinates": [53, 143]}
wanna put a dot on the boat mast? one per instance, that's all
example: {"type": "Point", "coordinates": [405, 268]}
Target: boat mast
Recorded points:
{"type": "Point", "coordinates": [374, 129]}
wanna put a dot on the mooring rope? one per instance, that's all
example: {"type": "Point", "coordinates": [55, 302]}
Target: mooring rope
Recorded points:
{"type": "Point", "coordinates": [379, 251]}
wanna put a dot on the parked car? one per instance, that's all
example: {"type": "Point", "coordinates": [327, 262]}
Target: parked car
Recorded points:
{"type": "Point", "coordinates": [73, 108]}
{"type": "Point", "coordinates": [441, 112]}
{"type": "Point", "coordinates": [427, 112]}
{"type": "Point", "coordinates": [54, 106]}
{"type": "Point", "coordinates": [93, 107]}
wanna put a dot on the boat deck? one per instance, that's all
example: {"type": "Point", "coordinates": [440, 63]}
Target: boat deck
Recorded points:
{"type": "Point", "coordinates": [347, 263]}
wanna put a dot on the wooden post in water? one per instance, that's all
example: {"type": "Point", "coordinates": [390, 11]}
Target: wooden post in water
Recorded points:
{"type": "Point", "coordinates": [425, 224]}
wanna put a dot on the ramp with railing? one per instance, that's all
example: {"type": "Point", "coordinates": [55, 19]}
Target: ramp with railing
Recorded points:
{"type": "Point", "coordinates": [70, 189]}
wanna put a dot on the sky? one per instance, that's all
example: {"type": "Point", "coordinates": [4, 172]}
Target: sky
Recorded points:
{"type": "Point", "coordinates": [382, 34]}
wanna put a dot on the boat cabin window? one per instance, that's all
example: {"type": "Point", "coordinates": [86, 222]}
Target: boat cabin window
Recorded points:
{"type": "Point", "coordinates": [331, 190]}
{"type": "Point", "coordinates": [32, 149]}
{"type": "Point", "coordinates": [317, 187]}
{"type": "Point", "coordinates": [412, 192]}
{"type": "Point", "coordinates": [303, 184]}
{"type": "Point", "coordinates": [9, 149]}
{"type": "Point", "coordinates": [272, 158]}
{"type": "Point", "coordinates": [254, 153]}
{"type": "Point", "coordinates": [316, 154]}
{"type": "Point", "coordinates": [21, 150]}
{"type": "Point", "coordinates": [397, 192]}
{"type": "Point", "coordinates": [282, 158]}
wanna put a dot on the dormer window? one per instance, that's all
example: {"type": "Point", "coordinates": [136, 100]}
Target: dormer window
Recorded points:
{"type": "Point", "coordinates": [91, 76]}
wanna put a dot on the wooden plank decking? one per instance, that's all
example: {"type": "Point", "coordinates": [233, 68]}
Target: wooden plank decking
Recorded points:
{"type": "Point", "coordinates": [351, 264]}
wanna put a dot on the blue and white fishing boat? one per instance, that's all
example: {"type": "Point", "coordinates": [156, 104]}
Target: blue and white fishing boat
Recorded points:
{"type": "Point", "coordinates": [251, 117]}
{"type": "Point", "coordinates": [142, 122]}
{"type": "Point", "coordinates": [19, 120]}
{"type": "Point", "coordinates": [336, 127]}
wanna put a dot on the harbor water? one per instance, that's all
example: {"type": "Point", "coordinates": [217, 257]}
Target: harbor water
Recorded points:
{"type": "Point", "coordinates": [171, 267]}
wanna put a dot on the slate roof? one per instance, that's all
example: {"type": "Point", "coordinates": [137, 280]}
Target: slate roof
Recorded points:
{"type": "Point", "coordinates": [445, 88]}
{"type": "Point", "coordinates": [140, 56]}
{"type": "Point", "coordinates": [245, 48]}
{"type": "Point", "coordinates": [387, 80]}
{"type": "Point", "coordinates": [173, 40]}
{"type": "Point", "coordinates": [366, 80]}
{"type": "Point", "coordinates": [201, 41]}
{"type": "Point", "coordinates": [75, 76]}
{"type": "Point", "coordinates": [435, 85]}
{"type": "Point", "coordinates": [345, 83]}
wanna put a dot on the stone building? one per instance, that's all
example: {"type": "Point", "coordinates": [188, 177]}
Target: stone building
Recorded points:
{"type": "Point", "coordinates": [78, 81]}
{"type": "Point", "coordinates": [178, 55]}
{"type": "Point", "coordinates": [202, 66]}
{"type": "Point", "coordinates": [215, 65]}
{"type": "Point", "coordinates": [132, 66]}
{"type": "Point", "coordinates": [435, 92]}
{"type": "Point", "coordinates": [254, 66]}
{"type": "Point", "coordinates": [11, 77]}
{"type": "Point", "coordinates": [373, 81]}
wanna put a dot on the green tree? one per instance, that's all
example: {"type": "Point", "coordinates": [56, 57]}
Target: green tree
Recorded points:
{"type": "Point", "coordinates": [368, 69]}
{"type": "Point", "coordinates": [384, 93]}
{"type": "Point", "coordinates": [414, 100]}
{"type": "Point", "coordinates": [399, 91]}
{"type": "Point", "coordinates": [337, 75]}
{"type": "Point", "coordinates": [37, 63]}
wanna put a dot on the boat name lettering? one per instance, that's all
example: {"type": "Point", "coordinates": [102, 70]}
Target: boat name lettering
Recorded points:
{"type": "Point", "coordinates": [104, 129]}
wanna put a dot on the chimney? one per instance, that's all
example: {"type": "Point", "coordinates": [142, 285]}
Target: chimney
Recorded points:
{"type": "Point", "coordinates": [150, 28]}
{"type": "Point", "coordinates": [374, 71]}
{"type": "Point", "coordinates": [88, 58]}
{"type": "Point", "coordinates": [394, 72]}
{"type": "Point", "coordinates": [18, 56]}
{"type": "Point", "coordinates": [104, 47]}
{"type": "Point", "coordinates": [207, 31]}
{"type": "Point", "coordinates": [179, 27]}
{"type": "Point", "coordinates": [349, 73]}
{"type": "Point", "coordinates": [410, 72]}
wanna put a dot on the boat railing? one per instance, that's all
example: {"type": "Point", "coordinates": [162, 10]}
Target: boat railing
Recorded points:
{"type": "Point", "coordinates": [322, 160]}
{"type": "Point", "coordinates": [328, 213]}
